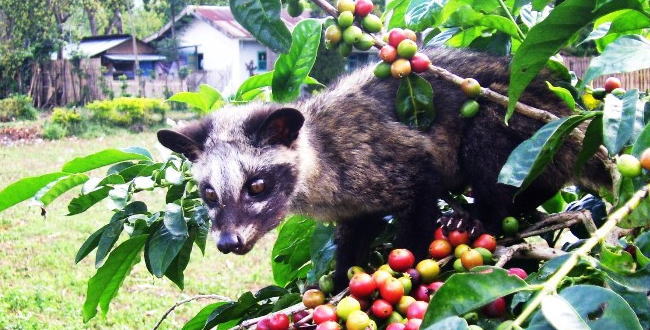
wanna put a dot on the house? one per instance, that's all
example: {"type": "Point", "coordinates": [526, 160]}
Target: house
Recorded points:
{"type": "Point", "coordinates": [211, 41]}
{"type": "Point", "coordinates": [117, 54]}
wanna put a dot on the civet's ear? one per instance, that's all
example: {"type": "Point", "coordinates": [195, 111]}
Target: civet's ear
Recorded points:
{"type": "Point", "coordinates": [189, 140]}
{"type": "Point", "coordinates": [280, 127]}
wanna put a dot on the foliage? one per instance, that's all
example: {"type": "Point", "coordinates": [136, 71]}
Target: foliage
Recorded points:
{"type": "Point", "coordinates": [54, 131]}
{"type": "Point", "coordinates": [16, 107]}
{"type": "Point", "coordinates": [203, 101]}
{"type": "Point", "coordinates": [328, 66]}
{"type": "Point", "coordinates": [614, 280]}
{"type": "Point", "coordinates": [65, 116]}
{"type": "Point", "coordinates": [125, 111]}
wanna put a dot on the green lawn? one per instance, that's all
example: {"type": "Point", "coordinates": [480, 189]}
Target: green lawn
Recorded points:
{"type": "Point", "coordinates": [42, 288]}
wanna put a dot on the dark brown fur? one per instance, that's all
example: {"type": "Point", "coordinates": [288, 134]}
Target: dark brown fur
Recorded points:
{"type": "Point", "coordinates": [368, 165]}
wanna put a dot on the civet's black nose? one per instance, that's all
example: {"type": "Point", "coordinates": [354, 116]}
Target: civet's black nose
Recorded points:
{"type": "Point", "coordinates": [229, 242]}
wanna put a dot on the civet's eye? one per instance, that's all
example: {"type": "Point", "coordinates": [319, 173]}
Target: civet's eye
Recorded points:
{"type": "Point", "coordinates": [256, 187]}
{"type": "Point", "coordinates": [210, 196]}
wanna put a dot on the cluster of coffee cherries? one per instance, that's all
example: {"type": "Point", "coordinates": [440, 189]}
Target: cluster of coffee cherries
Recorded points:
{"type": "Point", "coordinates": [396, 295]}
{"type": "Point", "coordinates": [400, 55]}
{"type": "Point", "coordinates": [345, 34]}
{"type": "Point", "coordinates": [612, 85]}
{"type": "Point", "coordinates": [472, 90]}
{"type": "Point", "coordinates": [457, 243]}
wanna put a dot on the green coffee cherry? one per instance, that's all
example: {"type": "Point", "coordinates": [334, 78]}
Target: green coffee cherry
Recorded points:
{"type": "Point", "coordinates": [469, 109]}
{"type": "Point", "coordinates": [407, 48]}
{"type": "Point", "coordinates": [365, 42]}
{"type": "Point", "coordinates": [382, 70]}
{"type": "Point", "coordinates": [618, 92]}
{"type": "Point", "coordinates": [352, 34]}
{"type": "Point", "coordinates": [295, 8]}
{"type": "Point", "coordinates": [371, 23]}
{"type": "Point", "coordinates": [458, 266]}
{"type": "Point", "coordinates": [346, 19]}
{"type": "Point", "coordinates": [628, 165]}
{"type": "Point", "coordinates": [345, 49]}
{"type": "Point", "coordinates": [598, 93]}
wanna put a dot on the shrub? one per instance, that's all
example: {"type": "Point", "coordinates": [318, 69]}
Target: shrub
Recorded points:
{"type": "Point", "coordinates": [54, 131]}
{"type": "Point", "coordinates": [126, 111]}
{"type": "Point", "coordinates": [65, 116]}
{"type": "Point", "coordinates": [17, 106]}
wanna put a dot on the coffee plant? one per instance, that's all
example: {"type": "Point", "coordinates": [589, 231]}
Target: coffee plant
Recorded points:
{"type": "Point", "coordinates": [599, 280]}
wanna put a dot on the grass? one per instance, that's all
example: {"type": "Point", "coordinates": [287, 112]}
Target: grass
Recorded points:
{"type": "Point", "coordinates": [42, 288]}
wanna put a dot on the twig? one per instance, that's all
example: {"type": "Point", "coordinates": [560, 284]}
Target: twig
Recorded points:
{"type": "Point", "coordinates": [525, 250]}
{"type": "Point", "coordinates": [551, 285]}
{"type": "Point", "coordinates": [503, 5]}
{"type": "Point", "coordinates": [205, 296]}
{"type": "Point", "coordinates": [565, 219]}
{"type": "Point", "coordinates": [291, 309]}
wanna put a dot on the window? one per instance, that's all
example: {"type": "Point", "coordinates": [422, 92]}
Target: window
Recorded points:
{"type": "Point", "coordinates": [261, 61]}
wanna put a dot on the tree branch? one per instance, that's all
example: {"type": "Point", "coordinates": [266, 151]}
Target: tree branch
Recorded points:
{"type": "Point", "coordinates": [525, 250]}
{"type": "Point", "coordinates": [289, 310]}
{"type": "Point", "coordinates": [556, 221]}
{"type": "Point", "coordinates": [205, 296]}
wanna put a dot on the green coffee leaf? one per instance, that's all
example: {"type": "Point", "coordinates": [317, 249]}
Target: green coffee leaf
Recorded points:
{"type": "Point", "coordinates": [265, 79]}
{"type": "Point", "coordinates": [207, 98]}
{"type": "Point", "coordinates": [83, 202]}
{"type": "Point", "coordinates": [165, 244]}
{"type": "Point", "coordinates": [175, 270]}
{"type": "Point", "coordinates": [465, 292]}
{"type": "Point", "coordinates": [415, 102]}
{"type": "Point", "coordinates": [529, 159]}
{"type": "Point", "coordinates": [262, 19]}
{"type": "Point", "coordinates": [291, 250]}
{"type": "Point", "coordinates": [618, 260]}
{"type": "Point", "coordinates": [626, 54]}
{"type": "Point", "coordinates": [618, 120]}
{"type": "Point", "coordinates": [423, 14]}
{"type": "Point", "coordinates": [254, 82]}
{"type": "Point", "coordinates": [560, 314]}
{"type": "Point", "coordinates": [596, 307]}
{"type": "Point", "coordinates": [591, 143]}
{"type": "Point", "coordinates": [563, 94]}
{"type": "Point", "coordinates": [397, 10]}
{"type": "Point", "coordinates": [547, 37]}
{"type": "Point", "coordinates": [202, 221]}
{"type": "Point", "coordinates": [103, 286]}
{"type": "Point", "coordinates": [26, 188]}
{"type": "Point", "coordinates": [638, 300]}
{"type": "Point", "coordinates": [322, 251]}
{"type": "Point", "coordinates": [103, 158]}
{"type": "Point", "coordinates": [57, 188]}
{"type": "Point", "coordinates": [286, 301]}
{"type": "Point", "coordinates": [292, 68]}
{"type": "Point", "coordinates": [90, 244]}
{"type": "Point", "coordinates": [198, 321]}
{"type": "Point", "coordinates": [230, 311]}
{"type": "Point", "coordinates": [108, 238]}
{"type": "Point", "coordinates": [449, 323]}
{"type": "Point", "coordinates": [466, 16]}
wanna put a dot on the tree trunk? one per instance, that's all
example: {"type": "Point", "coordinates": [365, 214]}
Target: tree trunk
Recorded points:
{"type": "Point", "coordinates": [92, 21]}
{"type": "Point", "coordinates": [118, 21]}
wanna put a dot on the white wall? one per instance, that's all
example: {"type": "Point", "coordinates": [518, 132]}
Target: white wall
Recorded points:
{"type": "Point", "coordinates": [220, 54]}
{"type": "Point", "coordinates": [248, 51]}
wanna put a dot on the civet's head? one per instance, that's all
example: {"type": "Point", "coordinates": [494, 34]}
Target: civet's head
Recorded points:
{"type": "Point", "coordinates": [246, 164]}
